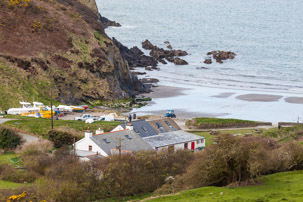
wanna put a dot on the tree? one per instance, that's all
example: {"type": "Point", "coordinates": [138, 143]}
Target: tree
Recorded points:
{"type": "Point", "coordinates": [61, 139]}
{"type": "Point", "coordinates": [9, 139]}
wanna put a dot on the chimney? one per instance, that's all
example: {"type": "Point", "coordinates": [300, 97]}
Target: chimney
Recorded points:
{"type": "Point", "coordinates": [129, 126]}
{"type": "Point", "coordinates": [88, 133]}
{"type": "Point", "coordinates": [99, 131]}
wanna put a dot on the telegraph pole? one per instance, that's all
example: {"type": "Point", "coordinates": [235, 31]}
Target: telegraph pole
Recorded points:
{"type": "Point", "coordinates": [52, 117]}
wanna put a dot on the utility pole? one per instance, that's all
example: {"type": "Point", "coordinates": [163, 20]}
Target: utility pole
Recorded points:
{"type": "Point", "coordinates": [52, 117]}
{"type": "Point", "coordinates": [119, 145]}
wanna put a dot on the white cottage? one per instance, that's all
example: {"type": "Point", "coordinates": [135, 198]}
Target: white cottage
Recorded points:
{"type": "Point", "coordinates": [106, 144]}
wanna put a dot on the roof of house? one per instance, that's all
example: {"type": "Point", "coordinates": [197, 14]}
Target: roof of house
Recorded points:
{"type": "Point", "coordinates": [83, 153]}
{"type": "Point", "coordinates": [143, 128]}
{"type": "Point", "coordinates": [171, 138]}
{"type": "Point", "coordinates": [164, 125]}
{"type": "Point", "coordinates": [130, 141]}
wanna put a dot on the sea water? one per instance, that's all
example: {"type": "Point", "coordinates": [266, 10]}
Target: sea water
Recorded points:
{"type": "Point", "coordinates": [266, 35]}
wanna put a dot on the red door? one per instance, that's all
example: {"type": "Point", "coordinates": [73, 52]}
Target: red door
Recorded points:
{"type": "Point", "coordinates": [193, 145]}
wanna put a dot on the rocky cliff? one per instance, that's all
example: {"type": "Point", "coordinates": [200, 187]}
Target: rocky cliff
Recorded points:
{"type": "Point", "coordinates": [59, 43]}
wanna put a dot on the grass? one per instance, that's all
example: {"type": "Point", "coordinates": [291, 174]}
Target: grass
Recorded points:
{"type": "Point", "coordinates": [205, 123]}
{"type": "Point", "coordinates": [9, 185]}
{"type": "Point", "coordinates": [41, 126]}
{"type": "Point", "coordinates": [210, 138]}
{"type": "Point", "coordinates": [287, 186]}
{"type": "Point", "coordinates": [11, 159]}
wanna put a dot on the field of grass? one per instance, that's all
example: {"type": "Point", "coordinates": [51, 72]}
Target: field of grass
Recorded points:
{"type": "Point", "coordinates": [40, 126]}
{"type": "Point", "coordinates": [11, 159]}
{"type": "Point", "coordinates": [287, 186]}
{"type": "Point", "coordinates": [9, 185]}
{"type": "Point", "coordinates": [208, 123]}
{"type": "Point", "coordinates": [209, 138]}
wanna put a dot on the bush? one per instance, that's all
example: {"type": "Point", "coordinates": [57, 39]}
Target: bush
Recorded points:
{"type": "Point", "coordinates": [9, 139]}
{"type": "Point", "coordinates": [61, 139]}
{"type": "Point", "coordinates": [237, 160]}
{"type": "Point", "coordinates": [13, 175]}
{"type": "Point", "coordinates": [142, 172]}
{"type": "Point", "coordinates": [34, 148]}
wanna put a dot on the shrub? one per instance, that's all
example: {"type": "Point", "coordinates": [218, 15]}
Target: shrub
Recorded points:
{"type": "Point", "coordinates": [34, 148]}
{"type": "Point", "coordinates": [141, 172]}
{"type": "Point", "coordinates": [19, 176]}
{"type": "Point", "coordinates": [9, 139]}
{"type": "Point", "coordinates": [61, 139]}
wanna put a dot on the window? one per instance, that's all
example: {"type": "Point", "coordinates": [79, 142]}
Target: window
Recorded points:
{"type": "Point", "coordinates": [145, 129]}
{"type": "Point", "coordinates": [167, 123]}
{"type": "Point", "coordinates": [90, 147]}
{"type": "Point", "coordinates": [136, 130]}
{"type": "Point", "coordinates": [202, 141]}
{"type": "Point", "coordinates": [158, 125]}
{"type": "Point", "coordinates": [128, 137]}
{"type": "Point", "coordinates": [185, 145]}
{"type": "Point", "coordinates": [105, 140]}
{"type": "Point", "coordinates": [198, 141]}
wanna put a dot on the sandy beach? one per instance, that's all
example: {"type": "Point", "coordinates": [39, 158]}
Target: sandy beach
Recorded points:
{"type": "Point", "coordinates": [203, 101]}
{"type": "Point", "coordinates": [259, 97]}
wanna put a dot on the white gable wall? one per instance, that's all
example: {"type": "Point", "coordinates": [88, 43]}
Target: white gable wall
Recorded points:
{"type": "Point", "coordinates": [119, 127]}
{"type": "Point", "coordinates": [84, 143]}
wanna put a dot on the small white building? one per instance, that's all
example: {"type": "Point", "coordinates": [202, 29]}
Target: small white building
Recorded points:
{"type": "Point", "coordinates": [176, 140]}
{"type": "Point", "coordinates": [106, 144]}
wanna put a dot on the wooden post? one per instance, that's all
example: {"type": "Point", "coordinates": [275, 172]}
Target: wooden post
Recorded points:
{"type": "Point", "coordinates": [52, 117]}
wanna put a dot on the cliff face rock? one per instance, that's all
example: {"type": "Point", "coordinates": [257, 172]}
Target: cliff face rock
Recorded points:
{"type": "Point", "coordinates": [59, 43]}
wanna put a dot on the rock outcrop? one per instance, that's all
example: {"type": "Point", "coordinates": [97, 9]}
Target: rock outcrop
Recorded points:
{"type": "Point", "coordinates": [108, 23]}
{"type": "Point", "coordinates": [60, 44]}
{"type": "Point", "coordinates": [219, 56]}
{"type": "Point", "coordinates": [161, 54]}
{"type": "Point", "coordinates": [134, 56]}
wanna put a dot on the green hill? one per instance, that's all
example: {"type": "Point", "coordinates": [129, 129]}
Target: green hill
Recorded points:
{"type": "Point", "coordinates": [287, 186]}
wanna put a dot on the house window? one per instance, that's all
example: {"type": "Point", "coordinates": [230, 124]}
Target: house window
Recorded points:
{"type": "Point", "coordinates": [185, 145]}
{"type": "Point", "coordinates": [198, 141]}
{"type": "Point", "coordinates": [90, 147]}
{"type": "Point", "coordinates": [202, 140]}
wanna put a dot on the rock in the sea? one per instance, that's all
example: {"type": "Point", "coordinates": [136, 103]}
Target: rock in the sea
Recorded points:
{"type": "Point", "coordinates": [166, 42]}
{"type": "Point", "coordinates": [222, 55]}
{"type": "Point", "coordinates": [108, 23]}
{"type": "Point", "coordinates": [169, 47]}
{"type": "Point", "coordinates": [148, 69]}
{"type": "Point", "coordinates": [179, 61]}
{"type": "Point", "coordinates": [201, 68]}
{"type": "Point", "coordinates": [180, 53]}
{"type": "Point", "coordinates": [147, 45]}
{"type": "Point", "coordinates": [138, 73]}
{"type": "Point", "coordinates": [135, 56]}
{"type": "Point", "coordinates": [208, 61]}
{"type": "Point", "coordinates": [149, 80]}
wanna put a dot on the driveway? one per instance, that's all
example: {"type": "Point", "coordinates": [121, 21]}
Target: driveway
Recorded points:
{"type": "Point", "coordinates": [26, 137]}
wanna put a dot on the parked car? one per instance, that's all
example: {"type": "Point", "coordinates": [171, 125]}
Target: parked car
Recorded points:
{"type": "Point", "coordinates": [101, 118]}
{"type": "Point", "coordinates": [84, 117]}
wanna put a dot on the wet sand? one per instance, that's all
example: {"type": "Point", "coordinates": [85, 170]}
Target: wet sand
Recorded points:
{"type": "Point", "coordinates": [294, 100]}
{"type": "Point", "coordinates": [165, 92]}
{"type": "Point", "coordinates": [223, 95]}
{"type": "Point", "coordinates": [259, 97]}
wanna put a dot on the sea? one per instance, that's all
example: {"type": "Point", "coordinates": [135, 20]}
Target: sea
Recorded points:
{"type": "Point", "coordinates": [266, 35]}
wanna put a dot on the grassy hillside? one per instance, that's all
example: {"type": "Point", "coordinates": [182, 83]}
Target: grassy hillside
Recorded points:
{"type": "Point", "coordinates": [59, 44]}
{"type": "Point", "coordinates": [42, 126]}
{"type": "Point", "coordinates": [286, 186]}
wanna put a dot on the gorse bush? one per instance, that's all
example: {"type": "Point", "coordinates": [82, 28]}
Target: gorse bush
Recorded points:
{"type": "Point", "coordinates": [236, 160]}
{"type": "Point", "coordinates": [9, 139]}
{"type": "Point", "coordinates": [61, 139]}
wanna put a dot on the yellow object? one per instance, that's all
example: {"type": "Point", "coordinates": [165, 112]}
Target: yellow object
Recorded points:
{"type": "Point", "coordinates": [45, 113]}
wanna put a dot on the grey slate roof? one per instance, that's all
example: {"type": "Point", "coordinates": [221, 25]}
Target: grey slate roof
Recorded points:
{"type": "Point", "coordinates": [164, 125]}
{"type": "Point", "coordinates": [171, 138]}
{"type": "Point", "coordinates": [131, 141]}
{"type": "Point", "coordinates": [143, 128]}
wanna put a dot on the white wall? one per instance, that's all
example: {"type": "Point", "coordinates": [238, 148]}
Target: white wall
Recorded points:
{"type": "Point", "coordinates": [181, 146]}
{"type": "Point", "coordinates": [117, 128]}
{"type": "Point", "coordinates": [85, 142]}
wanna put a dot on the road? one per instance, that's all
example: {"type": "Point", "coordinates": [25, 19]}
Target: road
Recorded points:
{"type": "Point", "coordinates": [28, 138]}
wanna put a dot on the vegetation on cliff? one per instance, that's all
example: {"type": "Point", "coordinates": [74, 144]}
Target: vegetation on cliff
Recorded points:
{"type": "Point", "coordinates": [59, 44]}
